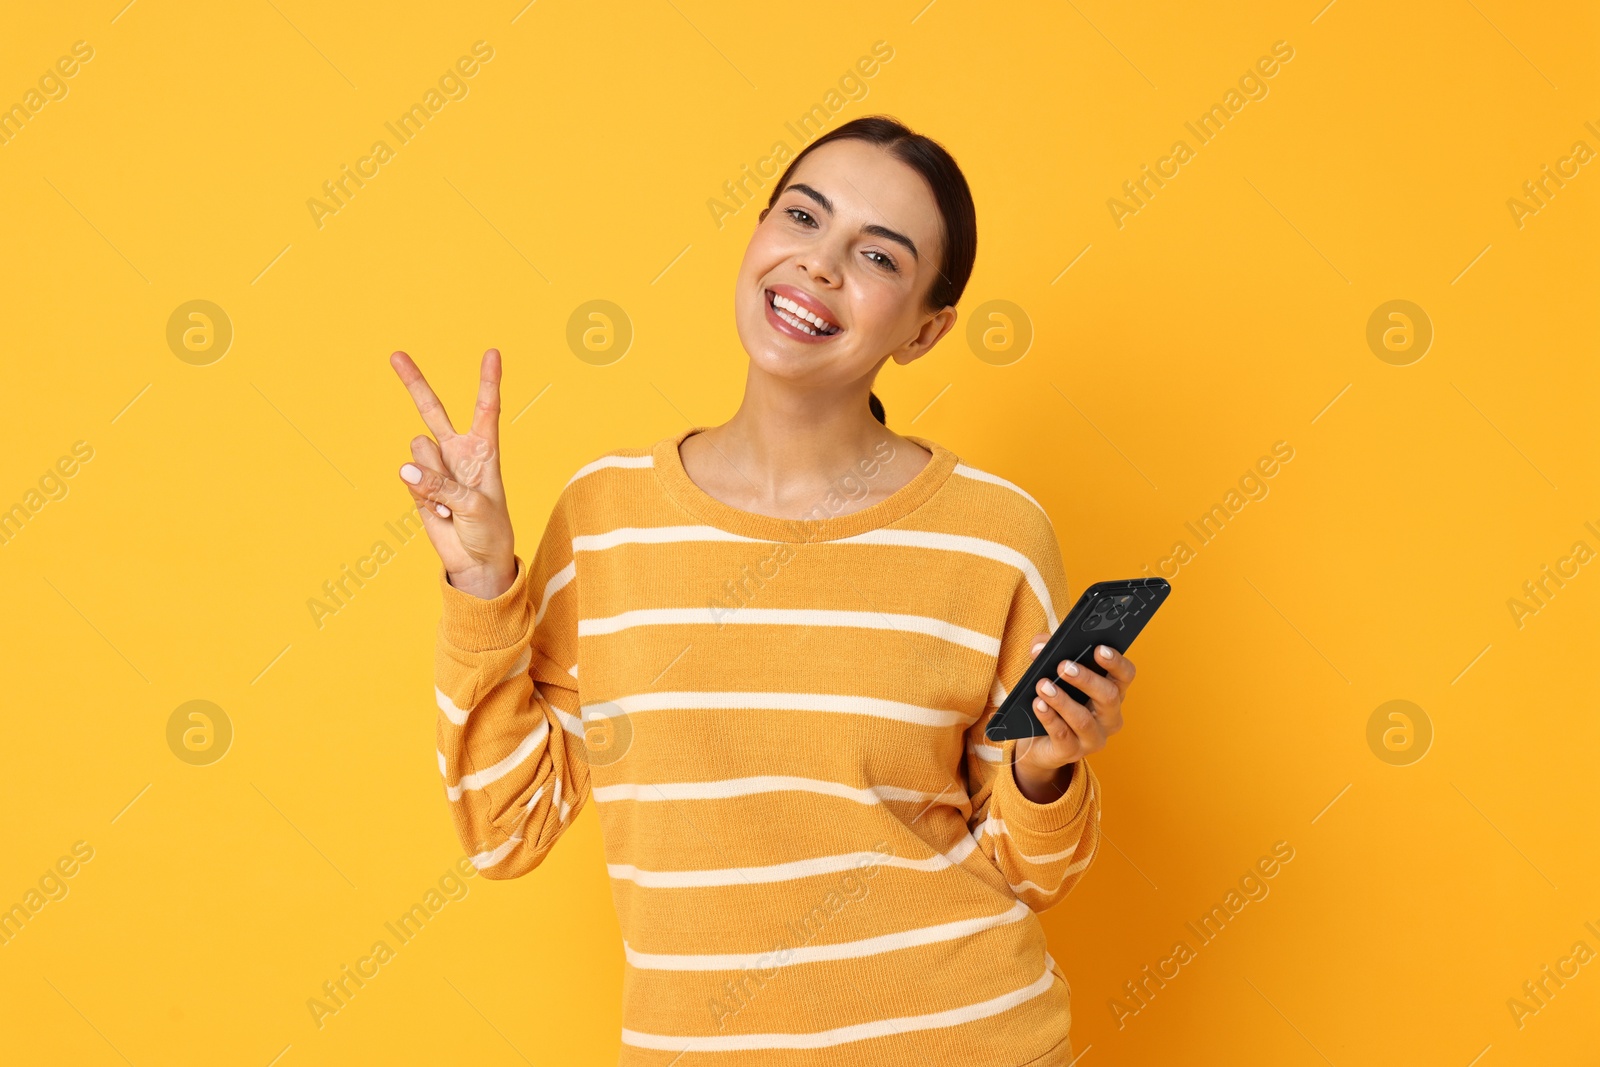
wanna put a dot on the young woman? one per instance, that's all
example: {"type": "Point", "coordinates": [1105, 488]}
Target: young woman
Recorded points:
{"type": "Point", "coordinates": [767, 652]}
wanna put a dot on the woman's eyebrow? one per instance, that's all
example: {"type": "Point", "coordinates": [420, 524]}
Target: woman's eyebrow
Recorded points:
{"type": "Point", "coordinates": [871, 228]}
{"type": "Point", "coordinates": [889, 235]}
{"type": "Point", "coordinates": [822, 201]}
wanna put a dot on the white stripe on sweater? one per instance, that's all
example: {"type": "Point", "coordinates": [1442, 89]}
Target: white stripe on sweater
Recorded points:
{"type": "Point", "coordinates": [529, 745]}
{"type": "Point", "coordinates": [611, 461]}
{"type": "Point", "coordinates": [829, 702]}
{"type": "Point", "coordinates": [994, 479]}
{"type": "Point", "coordinates": [448, 706]}
{"type": "Point", "coordinates": [458, 715]}
{"type": "Point", "coordinates": [558, 581]}
{"type": "Point", "coordinates": [495, 855]}
{"type": "Point", "coordinates": [654, 535]}
{"type": "Point", "coordinates": [766, 783]}
{"type": "Point", "coordinates": [1072, 869]}
{"type": "Point", "coordinates": [484, 860]}
{"type": "Point", "coordinates": [995, 827]}
{"type": "Point", "coordinates": [521, 666]}
{"type": "Point", "coordinates": [845, 1034]}
{"type": "Point", "coordinates": [787, 872]}
{"type": "Point", "coordinates": [569, 722]}
{"type": "Point", "coordinates": [987, 753]}
{"type": "Point", "coordinates": [866, 620]}
{"type": "Point", "coordinates": [844, 950]}
{"type": "Point", "coordinates": [976, 546]}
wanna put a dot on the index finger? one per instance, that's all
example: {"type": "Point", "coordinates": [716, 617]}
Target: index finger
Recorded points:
{"type": "Point", "coordinates": [422, 394]}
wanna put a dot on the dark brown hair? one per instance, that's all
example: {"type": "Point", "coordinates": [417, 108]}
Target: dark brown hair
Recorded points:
{"type": "Point", "coordinates": [938, 168]}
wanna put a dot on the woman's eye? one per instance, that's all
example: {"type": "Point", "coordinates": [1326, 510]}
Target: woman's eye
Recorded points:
{"type": "Point", "coordinates": [800, 215]}
{"type": "Point", "coordinates": [884, 261]}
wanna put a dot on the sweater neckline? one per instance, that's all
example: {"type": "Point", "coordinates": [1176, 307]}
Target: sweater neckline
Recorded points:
{"type": "Point", "coordinates": [674, 479]}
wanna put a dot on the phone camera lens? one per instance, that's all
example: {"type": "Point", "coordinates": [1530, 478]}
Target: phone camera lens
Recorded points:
{"type": "Point", "coordinates": [1092, 622]}
{"type": "Point", "coordinates": [1102, 604]}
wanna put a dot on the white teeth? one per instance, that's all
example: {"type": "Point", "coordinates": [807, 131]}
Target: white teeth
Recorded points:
{"type": "Point", "coordinates": [792, 321]}
{"type": "Point", "coordinates": [795, 310]}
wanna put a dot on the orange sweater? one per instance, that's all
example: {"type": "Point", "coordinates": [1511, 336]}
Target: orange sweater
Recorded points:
{"type": "Point", "coordinates": [815, 855]}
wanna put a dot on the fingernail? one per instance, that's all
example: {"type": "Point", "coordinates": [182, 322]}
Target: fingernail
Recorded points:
{"type": "Point", "coordinates": [411, 473]}
{"type": "Point", "coordinates": [1049, 689]}
{"type": "Point", "coordinates": [442, 511]}
{"type": "Point", "coordinates": [1038, 647]}
{"type": "Point", "coordinates": [1069, 667]}
{"type": "Point", "coordinates": [1105, 651]}
{"type": "Point", "coordinates": [1038, 705]}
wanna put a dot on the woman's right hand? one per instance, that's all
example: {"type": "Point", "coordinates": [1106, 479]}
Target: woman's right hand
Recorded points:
{"type": "Point", "coordinates": [455, 480]}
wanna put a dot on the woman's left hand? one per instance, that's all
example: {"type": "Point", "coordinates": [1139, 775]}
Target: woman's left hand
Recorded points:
{"type": "Point", "coordinates": [1073, 730]}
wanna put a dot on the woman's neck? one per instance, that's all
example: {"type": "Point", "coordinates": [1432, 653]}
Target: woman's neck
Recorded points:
{"type": "Point", "coordinates": [786, 449]}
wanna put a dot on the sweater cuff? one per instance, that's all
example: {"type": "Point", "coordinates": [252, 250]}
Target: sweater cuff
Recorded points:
{"type": "Point", "coordinates": [1016, 808]}
{"type": "Point", "coordinates": [474, 624]}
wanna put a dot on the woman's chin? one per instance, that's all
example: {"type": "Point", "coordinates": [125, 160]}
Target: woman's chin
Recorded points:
{"type": "Point", "coordinates": [791, 360]}
{"type": "Point", "coordinates": [801, 364]}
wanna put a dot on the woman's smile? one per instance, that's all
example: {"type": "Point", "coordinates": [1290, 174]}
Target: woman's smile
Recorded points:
{"type": "Point", "coordinates": [796, 313]}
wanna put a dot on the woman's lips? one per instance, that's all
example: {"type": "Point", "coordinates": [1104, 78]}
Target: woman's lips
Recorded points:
{"type": "Point", "coordinates": [790, 324]}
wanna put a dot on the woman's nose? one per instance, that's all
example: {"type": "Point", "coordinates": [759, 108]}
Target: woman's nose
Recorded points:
{"type": "Point", "coordinates": [821, 263]}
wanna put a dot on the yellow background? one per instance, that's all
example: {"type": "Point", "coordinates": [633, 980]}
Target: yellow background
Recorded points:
{"type": "Point", "coordinates": [1223, 317]}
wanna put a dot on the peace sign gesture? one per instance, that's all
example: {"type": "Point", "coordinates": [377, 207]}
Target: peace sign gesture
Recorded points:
{"type": "Point", "coordinates": [455, 479]}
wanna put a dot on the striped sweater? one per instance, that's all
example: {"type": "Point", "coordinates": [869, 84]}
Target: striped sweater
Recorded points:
{"type": "Point", "coordinates": [815, 855]}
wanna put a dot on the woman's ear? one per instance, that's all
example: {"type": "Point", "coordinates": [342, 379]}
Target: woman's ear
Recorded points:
{"type": "Point", "coordinates": [928, 336]}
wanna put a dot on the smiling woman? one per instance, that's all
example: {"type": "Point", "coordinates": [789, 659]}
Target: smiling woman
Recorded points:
{"type": "Point", "coordinates": [806, 208]}
{"type": "Point", "coordinates": [742, 758]}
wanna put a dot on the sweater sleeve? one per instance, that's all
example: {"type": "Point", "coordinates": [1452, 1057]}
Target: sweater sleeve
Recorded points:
{"type": "Point", "coordinates": [1042, 849]}
{"type": "Point", "coordinates": [510, 735]}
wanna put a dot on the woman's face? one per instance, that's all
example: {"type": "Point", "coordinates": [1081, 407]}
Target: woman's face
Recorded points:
{"type": "Point", "coordinates": [855, 239]}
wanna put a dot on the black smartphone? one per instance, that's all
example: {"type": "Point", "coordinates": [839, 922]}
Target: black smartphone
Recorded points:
{"type": "Point", "coordinates": [1108, 613]}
